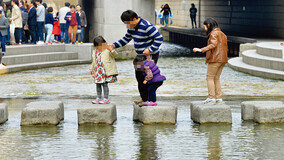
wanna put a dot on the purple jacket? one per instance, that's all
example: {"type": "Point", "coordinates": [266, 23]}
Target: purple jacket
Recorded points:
{"type": "Point", "coordinates": [153, 73]}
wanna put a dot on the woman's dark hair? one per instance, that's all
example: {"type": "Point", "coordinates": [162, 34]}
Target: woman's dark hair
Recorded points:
{"type": "Point", "coordinates": [45, 5]}
{"type": "Point", "coordinates": [33, 2]}
{"type": "Point", "coordinates": [167, 6]}
{"type": "Point", "coordinates": [211, 24]}
{"type": "Point", "coordinates": [40, 1]}
{"type": "Point", "coordinates": [72, 6]}
{"type": "Point", "coordinates": [49, 9]}
{"type": "Point", "coordinates": [192, 5]}
{"type": "Point", "coordinates": [128, 15]}
{"type": "Point", "coordinates": [79, 5]}
{"type": "Point", "coordinates": [99, 40]}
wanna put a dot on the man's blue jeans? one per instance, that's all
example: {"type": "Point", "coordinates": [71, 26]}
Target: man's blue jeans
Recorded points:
{"type": "Point", "coordinates": [3, 41]}
{"type": "Point", "coordinates": [39, 32]}
{"type": "Point", "coordinates": [64, 32]}
{"type": "Point", "coordinates": [81, 35]}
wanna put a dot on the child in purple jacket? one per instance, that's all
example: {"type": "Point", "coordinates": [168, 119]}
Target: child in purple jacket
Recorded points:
{"type": "Point", "coordinates": [153, 77]}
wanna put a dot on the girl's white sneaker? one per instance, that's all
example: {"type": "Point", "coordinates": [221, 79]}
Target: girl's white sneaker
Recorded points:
{"type": "Point", "coordinates": [209, 101]}
{"type": "Point", "coordinates": [219, 101]}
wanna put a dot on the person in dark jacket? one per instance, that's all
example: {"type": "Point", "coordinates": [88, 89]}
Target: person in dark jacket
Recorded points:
{"type": "Point", "coordinates": [193, 12]}
{"type": "Point", "coordinates": [49, 20]}
{"type": "Point", "coordinates": [32, 22]}
{"type": "Point", "coordinates": [153, 78]}
{"type": "Point", "coordinates": [166, 14]}
{"type": "Point", "coordinates": [83, 18]}
{"type": "Point", "coordinates": [3, 32]}
{"type": "Point", "coordinates": [74, 22]}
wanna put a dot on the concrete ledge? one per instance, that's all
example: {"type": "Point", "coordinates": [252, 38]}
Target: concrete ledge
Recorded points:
{"type": "Point", "coordinates": [3, 113]}
{"type": "Point", "coordinates": [270, 49]}
{"type": "Point", "coordinates": [155, 114]}
{"type": "Point", "coordinates": [42, 113]}
{"type": "Point", "coordinates": [206, 113]}
{"type": "Point", "coordinates": [32, 49]}
{"type": "Point", "coordinates": [97, 114]}
{"type": "Point", "coordinates": [269, 114]}
{"type": "Point", "coordinates": [239, 65]}
{"type": "Point", "coordinates": [247, 108]}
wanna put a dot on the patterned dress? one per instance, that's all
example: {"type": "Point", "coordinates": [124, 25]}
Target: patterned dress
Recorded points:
{"type": "Point", "coordinates": [100, 75]}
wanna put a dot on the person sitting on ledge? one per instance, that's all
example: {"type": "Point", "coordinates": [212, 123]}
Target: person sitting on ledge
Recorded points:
{"type": "Point", "coordinates": [153, 78]}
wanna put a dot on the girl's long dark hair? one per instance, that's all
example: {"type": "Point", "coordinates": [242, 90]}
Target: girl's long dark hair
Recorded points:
{"type": "Point", "coordinates": [211, 24]}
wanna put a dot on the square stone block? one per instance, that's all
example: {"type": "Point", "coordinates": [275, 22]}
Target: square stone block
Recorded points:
{"type": "Point", "coordinates": [3, 113]}
{"type": "Point", "coordinates": [269, 114]}
{"type": "Point", "coordinates": [209, 113]}
{"type": "Point", "coordinates": [97, 114]}
{"type": "Point", "coordinates": [247, 107]}
{"type": "Point", "coordinates": [155, 114]}
{"type": "Point", "coordinates": [42, 113]}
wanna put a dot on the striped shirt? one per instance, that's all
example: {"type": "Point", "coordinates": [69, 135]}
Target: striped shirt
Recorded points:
{"type": "Point", "coordinates": [145, 36]}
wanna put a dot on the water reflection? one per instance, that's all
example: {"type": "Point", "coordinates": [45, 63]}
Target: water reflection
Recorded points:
{"type": "Point", "coordinates": [40, 131]}
{"type": "Point", "coordinates": [148, 139]}
{"type": "Point", "coordinates": [102, 135]}
{"type": "Point", "coordinates": [214, 134]}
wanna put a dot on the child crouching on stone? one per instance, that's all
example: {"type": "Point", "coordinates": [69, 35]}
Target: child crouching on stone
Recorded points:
{"type": "Point", "coordinates": [103, 69]}
{"type": "Point", "coordinates": [153, 77]}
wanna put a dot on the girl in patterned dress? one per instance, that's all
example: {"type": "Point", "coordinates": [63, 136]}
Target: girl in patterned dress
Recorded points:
{"type": "Point", "coordinates": [103, 68]}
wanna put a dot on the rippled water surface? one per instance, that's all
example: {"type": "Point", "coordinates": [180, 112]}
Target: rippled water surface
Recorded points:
{"type": "Point", "coordinates": [126, 139]}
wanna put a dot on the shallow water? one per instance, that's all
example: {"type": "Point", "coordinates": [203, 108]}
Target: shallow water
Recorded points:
{"type": "Point", "coordinates": [126, 139]}
{"type": "Point", "coordinates": [129, 140]}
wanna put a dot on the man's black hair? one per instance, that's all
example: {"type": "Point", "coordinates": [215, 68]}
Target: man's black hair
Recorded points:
{"type": "Point", "coordinates": [128, 15]}
{"type": "Point", "coordinates": [72, 6]}
{"type": "Point", "coordinates": [16, 1]}
{"type": "Point", "coordinates": [67, 4]}
{"type": "Point", "coordinates": [33, 2]}
{"type": "Point", "coordinates": [40, 1]}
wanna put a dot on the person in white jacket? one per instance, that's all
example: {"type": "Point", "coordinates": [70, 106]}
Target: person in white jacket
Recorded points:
{"type": "Point", "coordinates": [63, 25]}
{"type": "Point", "coordinates": [16, 20]}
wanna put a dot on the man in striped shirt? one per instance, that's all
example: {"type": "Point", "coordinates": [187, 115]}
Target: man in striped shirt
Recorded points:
{"type": "Point", "coordinates": [147, 41]}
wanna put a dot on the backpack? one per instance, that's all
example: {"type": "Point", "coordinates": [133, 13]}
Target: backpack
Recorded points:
{"type": "Point", "coordinates": [25, 17]}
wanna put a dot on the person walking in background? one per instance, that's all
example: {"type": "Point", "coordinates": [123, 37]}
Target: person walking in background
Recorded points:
{"type": "Point", "coordinates": [83, 18]}
{"type": "Point", "coordinates": [56, 29]}
{"type": "Point", "coordinates": [11, 29]}
{"type": "Point", "coordinates": [32, 23]}
{"type": "Point", "coordinates": [63, 25]}
{"type": "Point", "coordinates": [3, 32]}
{"type": "Point", "coordinates": [161, 16]}
{"type": "Point", "coordinates": [49, 20]}
{"type": "Point", "coordinates": [25, 20]}
{"type": "Point", "coordinates": [216, 58]}
{"type": "Point", "coordinates": [166, 14]}
{"type": "Point", "coordinates": [193, 12]}
{"type": "Point", "coordinates": [74, 22]}
{"type": "Point", "coordinates": [16, 20]}
{"type": "Point", "coordinates": [40, 12]}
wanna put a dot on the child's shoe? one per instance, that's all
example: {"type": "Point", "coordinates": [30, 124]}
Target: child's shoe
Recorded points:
{"type": "Point", "coordinates": [145, 103]}
{"type": "Point", "coordinates": [219, 101]}
{"type": "Point", "coordinates": [152, 103]}
{"type": "Point", "coordinates": [97, 101]}
{"type": "Point", "coordinates": [209, 101]}
{"type": "Point", "coordinates": [104, 101]}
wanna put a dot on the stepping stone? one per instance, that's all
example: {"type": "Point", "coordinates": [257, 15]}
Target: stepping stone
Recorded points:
{"type": "Point", "coordinates": [210, 113]}
{"type": "Point", "coordinates": [269, 114]}
{"type": "Point", "coordinates": [97, 114]}
{"type": "Point", "coordinates": [247, 108]}
{"type": "Point", "coordinates": [3, 113]}
{"type": "Point", "coordinates": [43, 113]}
{"type": "Point", "coordinates": [155, 114]}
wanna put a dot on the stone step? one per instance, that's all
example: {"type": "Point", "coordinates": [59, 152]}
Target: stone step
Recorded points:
{"type": "Point", "coordinates": [250, 57]}
{"type": "Point", "coordinates": [39, 57]}
{"type": "Point", "coordinates": [32, 49]}
{"type": "Point", "coordinates": [271, 49]}
{"type": "Point", "coordinates": [238, 64]}
{"type": "Point", "coordinates": [39, 65]}
{"type": "Point", "coordinates": [42, 113]}
{"type": "Point", "coordinates": [3, 113]}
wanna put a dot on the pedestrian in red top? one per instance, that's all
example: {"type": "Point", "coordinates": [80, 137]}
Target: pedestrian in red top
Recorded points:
{"type": "Point", "coordinates": [56, 29]}
{"type": "Point", "coordinates": [74, 22]}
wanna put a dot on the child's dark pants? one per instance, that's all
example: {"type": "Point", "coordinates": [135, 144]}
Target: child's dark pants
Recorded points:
{"type": "Point", "coordinates": [152, 91]}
